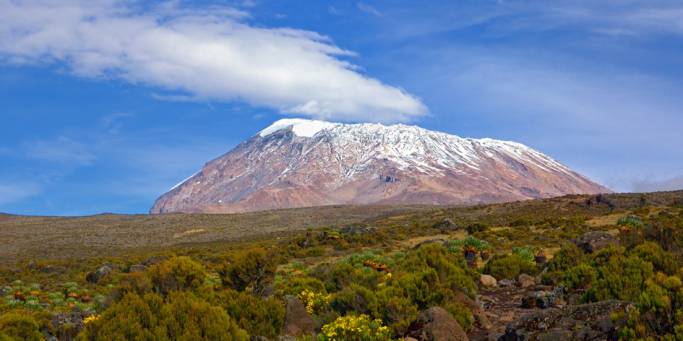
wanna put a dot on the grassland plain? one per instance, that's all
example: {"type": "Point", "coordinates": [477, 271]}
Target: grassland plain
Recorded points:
{"type": "Point", "coordinates": [600, 265]}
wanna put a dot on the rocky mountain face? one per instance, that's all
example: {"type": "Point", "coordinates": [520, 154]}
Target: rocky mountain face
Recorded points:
{"type": "Point", "coordinates": [297, 163]}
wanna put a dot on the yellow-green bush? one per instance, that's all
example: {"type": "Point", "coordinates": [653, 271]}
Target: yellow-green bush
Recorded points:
{"type": "Point", "coordinates": [509, 266]}
{"type": "Point", "coordinates": [19, 326]}
{"type": "Point", "coordinates": [396, 309]}
{"type": "Point", "coordinates": [177, 273]}
{"type": "Point", "coordinates": [258, 316]}
{"type": "Point", "coordinates": [179, 316]}
{"type": "Point", "coordinates": [253, 268]}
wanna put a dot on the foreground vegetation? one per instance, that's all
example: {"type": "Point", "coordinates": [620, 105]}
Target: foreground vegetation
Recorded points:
{"type": "Point", "coordinates": [368, 281]}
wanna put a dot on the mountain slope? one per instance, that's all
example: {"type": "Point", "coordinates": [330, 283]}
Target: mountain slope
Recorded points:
{"type": "Point", "coordinates": [296, 163]}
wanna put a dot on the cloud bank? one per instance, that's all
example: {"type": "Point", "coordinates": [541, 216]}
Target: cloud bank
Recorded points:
{"type": "Point", "coordinates": [209, 55]}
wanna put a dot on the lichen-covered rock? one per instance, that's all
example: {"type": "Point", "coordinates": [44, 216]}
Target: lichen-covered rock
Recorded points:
{"type": "Point", "coordinates": [97, 275]}
{"type": "Point", "coordinates": [445, 225]}
{"type": "Point", "coordinates": [436, 324]}
{"type": "Point", "coordinates": [298, 322]}
{"type": "Point", "coordinates": [137, 268]}
{"type": "Point", "coordinates": [544, 299]}
{"type": "Point", "coordinates": [594, 241]}
{"type": "Point", "coordinates": [575, 322]}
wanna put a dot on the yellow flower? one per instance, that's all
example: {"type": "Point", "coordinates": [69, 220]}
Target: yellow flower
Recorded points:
{"type": "Point", "coordinates": [91, 318]}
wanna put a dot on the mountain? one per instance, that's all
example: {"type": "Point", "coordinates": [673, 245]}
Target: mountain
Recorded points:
{"type": "Point", "coordinates": [298, 163]}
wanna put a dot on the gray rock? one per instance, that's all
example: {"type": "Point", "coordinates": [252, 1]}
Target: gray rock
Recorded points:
{"type": "Point", "coordinates": [436, 324]}
{"type": "Point", "coordinates": [137, 268]}
{"type": "Point", "coordinates": [446, 225]}
{"type": "Point", "coordinates": [594, 241]}
{"type": "Point", "coordinates": [97, 275]}
{"type": "Point", "coordinates": [577, 322]}
{"type": "Point", "coordinates": [507, 282]}
{"type": "Point", "coordinates": [297, 320]}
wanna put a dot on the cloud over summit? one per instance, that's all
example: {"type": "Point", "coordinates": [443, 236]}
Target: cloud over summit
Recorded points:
{"type": "Point", "coordinates": [209, 54]}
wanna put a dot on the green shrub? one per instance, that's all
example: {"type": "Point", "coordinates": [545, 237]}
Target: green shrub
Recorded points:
{"type": "Point", "coordinates": [658, 313]}
{"type": "Point", "coordinates": [567, 257]}
{"type": "Point", "coordinates": [581, 276]}
{"type": "Point", "coordinates": [622, 278]}
{"type": "Point", "coordinates": [354, 299]}
{"type": "Point", "coordinates": [185, 317]}
{"type": "Point", "coordinates": [660, 259]}
{"type": "Point", "coordinates": [253, 268]}
{"type": "Point", "coordinates": [461, 313]}
{"type": "Point", "coordinates": [396, 309]}
{"type": "Point", "coordinates": [525, 253]}
{"type": "Point", "coordinates": [509, 266]}
{"type": "Point", "coordinates": [631, 221]}
{"type": "Point", "coordinates": [180, 316]}
{"type": "Point", "coordinates": [293, 285]}
{"type": "Point", "coordinates": [440, 268]}
{"type": "Point", "coordinates": [469, 243]}
{"type": "Point", "coordinates": [177, 273]}
{"type": "Point", "coordinates": [19, 326]}
{"type": "Point", "coordinates": [258, 316]}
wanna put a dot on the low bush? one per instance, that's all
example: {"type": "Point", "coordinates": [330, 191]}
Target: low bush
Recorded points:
{"type": "Point", "coordinates": [179, 316]}
{"type": "Point", "coordinates": [509, 266]}
{"type": "Point", "coordinates": [19, 326]}
{"type": "Point", "coordinates": [177, 273]}
{"type": "Point", "coordinates": [253, 269]}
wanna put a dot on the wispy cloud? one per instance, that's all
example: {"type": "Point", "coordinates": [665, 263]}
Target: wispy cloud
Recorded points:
{"type": "Point", "coordinates": [14, 192]}
{"type": "Point", "coordinates": [368, 9]}
{"type": "Point", "coordinates": [672, 184]}
{"type": "Point", "coordinates": [61, 149]}
{"type": "Point", "coordinates": [209, 54]}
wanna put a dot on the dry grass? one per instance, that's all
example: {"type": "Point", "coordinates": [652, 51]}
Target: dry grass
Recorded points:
{"type": "Point", "coordinates": [106, 235]}
{"type": "Point", "coordinates": [111, 235]}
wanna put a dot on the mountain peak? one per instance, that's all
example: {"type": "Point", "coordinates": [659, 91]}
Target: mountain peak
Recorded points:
{"type": "Point", "coordinates": [369, 163]}
{"type": "Point", "coordinates": [300, 126]}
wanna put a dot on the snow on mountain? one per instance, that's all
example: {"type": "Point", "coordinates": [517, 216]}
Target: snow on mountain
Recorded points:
{"type": "Point", "coordinates": [298, 162]}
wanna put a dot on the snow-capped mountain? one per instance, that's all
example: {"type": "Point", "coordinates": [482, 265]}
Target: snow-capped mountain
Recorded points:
{"type": "Point", "coordinates": [297, 162]}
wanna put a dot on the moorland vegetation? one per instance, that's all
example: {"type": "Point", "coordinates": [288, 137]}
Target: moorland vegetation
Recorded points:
{"type": "Point", "coordinates": [375, 280]}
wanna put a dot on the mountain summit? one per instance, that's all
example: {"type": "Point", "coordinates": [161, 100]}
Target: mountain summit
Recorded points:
{"type": "Point", "coordinates": [298, 162]}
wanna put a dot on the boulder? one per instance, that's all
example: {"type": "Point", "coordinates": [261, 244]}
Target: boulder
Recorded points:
{"type": "Point", "coordinates": [154, 260]}
{"type": "Point", "coordinates": [446, 225]}
{"type": "Point", "coordinates": [594, 241]}
{"type": "Point", "coordinates": [591, 321]}
{"type": "Point", "coordinates": [137, 268]}
{"type": "Point", "coordinates": [544, 299]}
{"type": "Point", "coordinates": [488, 281]}
{"type": "Point", "coordinates": [298, 322]}
{"type": "Point", "coordinates": [477, 311]}
{"type": "Point", "coordinates": [97, 275]}
{"type": "Point", "coordinates": [66, 325]}
{"type": "Point", "coordinates": [526, 281]}
{"type": "Point", "coordinates": [507, 282]}
{"type": "Point", "coordinates": [357, 230]}
{"type": "Point", "coordinates": [436, 324]}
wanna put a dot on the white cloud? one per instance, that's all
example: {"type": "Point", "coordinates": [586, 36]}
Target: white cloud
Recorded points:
{"type": "Point", "coordinates": [211, 54]}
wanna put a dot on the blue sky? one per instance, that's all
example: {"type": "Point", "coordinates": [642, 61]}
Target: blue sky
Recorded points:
{"type": "Point", "coordinates": [107, 104]}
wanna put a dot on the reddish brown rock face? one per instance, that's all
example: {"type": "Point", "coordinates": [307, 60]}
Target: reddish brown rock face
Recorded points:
{"type": "Point", "coordinates": [298, 163]}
